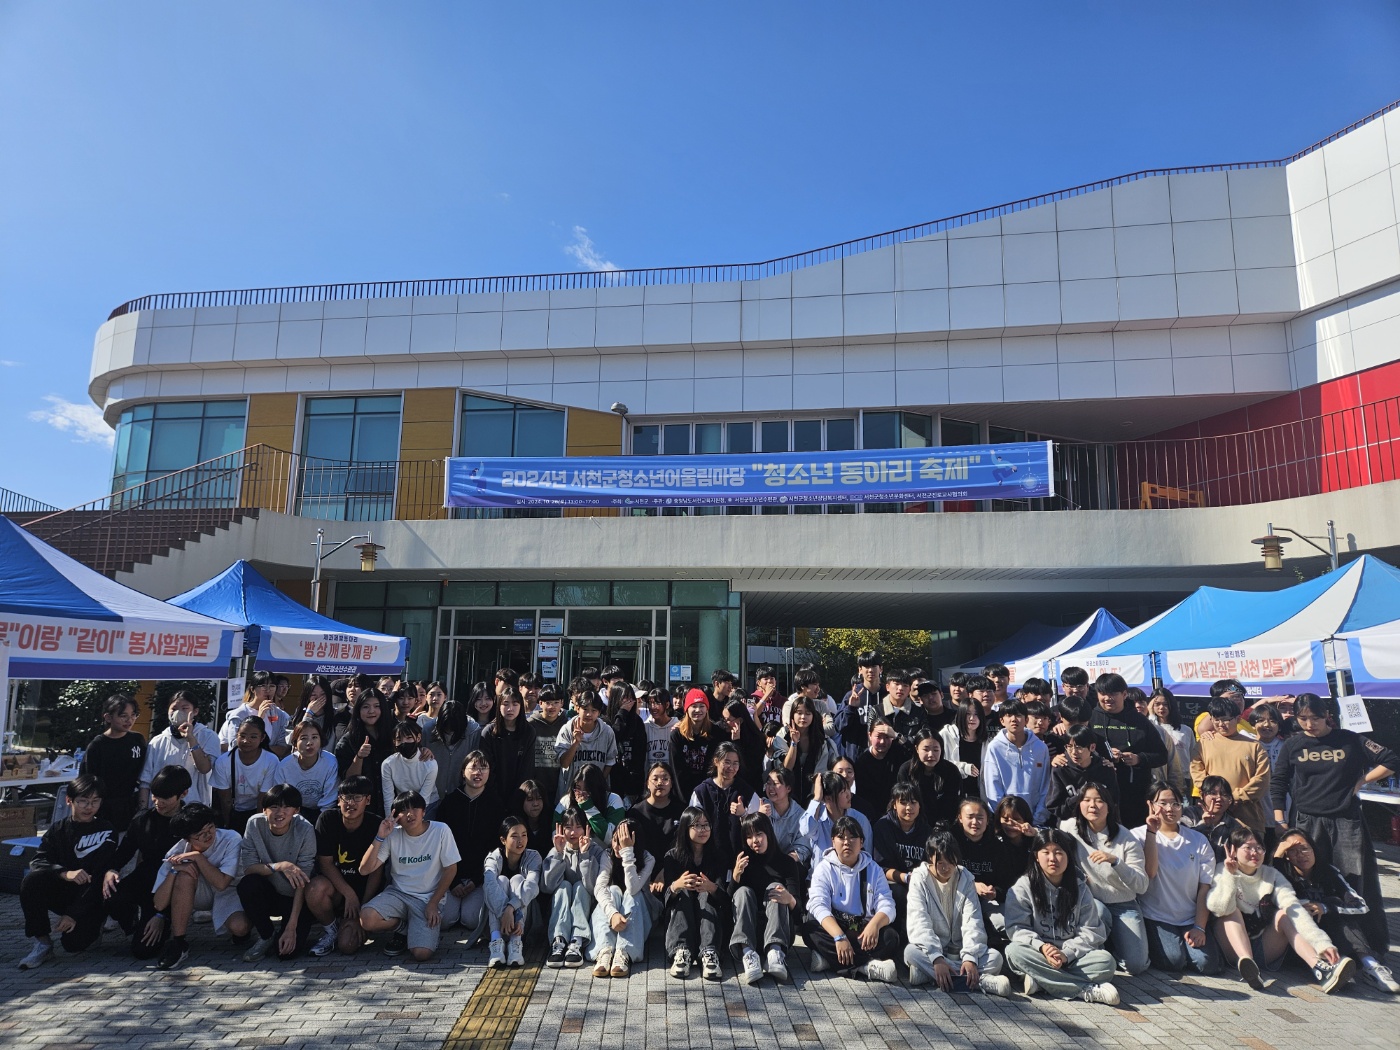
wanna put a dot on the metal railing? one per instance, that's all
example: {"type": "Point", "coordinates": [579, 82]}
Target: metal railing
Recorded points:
{"type": "Point", "coordinates": [12, 502]}
{"type": "Point", "coordinates": [676, 274]}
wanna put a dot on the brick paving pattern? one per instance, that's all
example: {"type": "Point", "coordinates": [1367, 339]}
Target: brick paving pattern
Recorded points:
{"type": "Point", "coordinates": [104, 1000]}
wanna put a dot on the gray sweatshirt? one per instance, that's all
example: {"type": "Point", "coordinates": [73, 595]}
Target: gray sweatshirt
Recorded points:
{"type": "Point", "coordinates": [634, 879]}
{"type": "Point", "coordinates": [261, 846]}
{"type": "Point", "coordinates": [522, 887]}
{"type": "Point", "coordinates": [1032, 929]}
{"type": "Point", "coordinates": [574, 865]}
{"type": "Point", "coordinates": [1111, 883]}
{"type": "Point", "coordinates": [934, 931]}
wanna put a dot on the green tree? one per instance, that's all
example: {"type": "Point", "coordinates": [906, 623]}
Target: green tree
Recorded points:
{"type": "Point", "coordinates": [836, 649]}
{"type": "Point", "coordinates": [77, 714]}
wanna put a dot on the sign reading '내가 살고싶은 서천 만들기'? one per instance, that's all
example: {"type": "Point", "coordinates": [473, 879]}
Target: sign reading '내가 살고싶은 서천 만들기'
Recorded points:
{"type": "Point", "coordinates": [1010, 471]}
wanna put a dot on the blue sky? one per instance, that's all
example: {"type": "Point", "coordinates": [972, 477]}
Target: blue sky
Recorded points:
{"type": "Point", "coordinates": [153, 147]}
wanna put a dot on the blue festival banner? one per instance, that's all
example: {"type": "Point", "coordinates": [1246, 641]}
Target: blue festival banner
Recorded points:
{"type": "Point", "coordinates": [1011, 471]}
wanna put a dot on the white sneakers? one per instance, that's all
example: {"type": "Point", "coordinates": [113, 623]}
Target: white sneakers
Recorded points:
{"type": "Point", "coordinates": [261, 946]}
{"type": "Point", "coordinates": [680, 965]}
{"type": "Point", "coordinates": [1101, 993]}
{"type": "Point", "coordinates": [996, 985]}
{"type": "Point", "coordinates": [1032, 986]}
{"type": "Point", "coordinates": [603, 967]}
{"type": "Point", "coordinates": [38, 955]}
{"type": "Point", "coordinates": [515, 953]}
{"type": "Point", "coordinates": [777, 964]}
{"type": "Point", "coordinates": [497, 959]}
{"type": "Point", "coordinates": [1381, 977]}
{"type": "Point", "coordinates": [753, 967]}
{"type": "Point", "coordinates": [882, 970]}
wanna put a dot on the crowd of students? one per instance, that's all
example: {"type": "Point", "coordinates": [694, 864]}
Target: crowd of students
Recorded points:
{"type": "Point", "coordinates": [1063, 838]}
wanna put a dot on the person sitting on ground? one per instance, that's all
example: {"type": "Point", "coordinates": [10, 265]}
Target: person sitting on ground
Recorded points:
{"type": "Point", "coordinates": [1180, 866]}
{"type": "Point", "coordinates": [623, 916]}
{"type": "Point", "coordinates": [1057, 932]}
{"type": "Point", "coordinates": [985, 859]}
{"type": "Point", "coordinates": [422, 859]}
{"type": "Point", "coordinates": [945, 921]}
{"type": "Point", "coordinates": [149, 836]}
{"type": "Point", "coordinates": [1259, 918]}
{"type": "Point", "coordinates": [1083, 765]}
{"type": "Point", "coordinates": [850, 910]}
{"type": "Point", "coordinates": [200, 872]}
{"type": "Point", "coordinates": [1111, 860]}
{"type": "Point", "coordinates": [473, 814]}
{"type": "Point", "coordinates": [1332, 903]}
{"type": "Point", "coordinates": [66, 875]}
{"type": "Point", "coordinates": [767, 886]}
{"type": "Point", "coordinates": [697, 906]}
{"type": "Point", "coordinates": [570, 873]}
{"type": "Point", "coordinates": [275, 863]}
{"type": "Point", "coordinates": [344, 833]}
{"type": "Point", "coordinates": [512, 882]}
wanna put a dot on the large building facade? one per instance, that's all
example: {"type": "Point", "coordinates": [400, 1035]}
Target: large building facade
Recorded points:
{"type": "Point", "coordinates": [1210, 350]}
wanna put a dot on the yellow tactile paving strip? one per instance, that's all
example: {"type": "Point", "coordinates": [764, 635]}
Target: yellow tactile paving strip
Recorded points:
{"type": "Point", "coordinates": [492, 1014]}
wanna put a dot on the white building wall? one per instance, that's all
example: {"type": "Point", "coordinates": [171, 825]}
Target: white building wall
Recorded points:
{"type": "Point", "coordinates": [1240, 282]}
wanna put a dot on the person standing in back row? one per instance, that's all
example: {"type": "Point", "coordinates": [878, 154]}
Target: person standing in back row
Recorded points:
{"type": "Point", "coordinates": [1133, 743]}
{"type": "Point", "coordinates": [116, 758]}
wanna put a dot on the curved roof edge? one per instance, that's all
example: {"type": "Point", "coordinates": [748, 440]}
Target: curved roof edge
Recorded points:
{"type": "Point", "coordinates": [678, 274]}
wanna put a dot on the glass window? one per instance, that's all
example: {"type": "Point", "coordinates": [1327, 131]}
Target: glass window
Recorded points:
{"type": "Point", "coordinates": [539, 432]}
{"type": "Point", "coordinates": [775, 436]}
{"type": "Point", "coordinates": [469, 594]}
{"type": "Point", "coordinates": [581, 593]}
{"type": "Point", "coordinates": [915, 431]}
{"type": "Point", "coordinates": [646, 441]}
{"type": "Point", "coordinates": [639, 592]}
{"type": "Point", "coordinates": [806, 435]}
{"type": "Point", "coordinates": [414, 595]}
{"type": "Point", "coordinates": [491, 427]}
{"type": "Point", "coordinates": [675, 439]}
{"type": "Point", "coordinates": [960, 432]}
{"type": "Point", "coordinates": [584, 623]}
{"type": "Point", "coordinates": [700, 593]}
{"type": "Point", "coordinates": [488, 621]}
{"type": "Point", "coordinates": [359, 595]}
{"type": "Point", "coordinates": [159, 439]}
{"type": "Point", "coordinates": [709, 438]}
{"type": "Point", "coordinates": [840, 435]}
{"type": "Point", "coordinates": [1003, 436]}
{"type": "Point", "coordinates": [417, 626]}
{"type": "Point", "coordinates": [528, 592]}
{"type": "Point", "coordinates": [879, 430]}
{"type": "Point", "coordinates": [740, 436]}
{"type": "Point", "coordinates": [349, 470]}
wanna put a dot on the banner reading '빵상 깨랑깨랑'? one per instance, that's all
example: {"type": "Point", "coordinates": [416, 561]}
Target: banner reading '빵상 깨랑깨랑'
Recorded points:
{"type": "Point", "coordinates": [1010, 471]}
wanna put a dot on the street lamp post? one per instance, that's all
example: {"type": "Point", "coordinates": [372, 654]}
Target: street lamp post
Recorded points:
{"type": "Point", "coordinates": [1273, 545]}
{"type": "Point", "coordinates": [369, 554]}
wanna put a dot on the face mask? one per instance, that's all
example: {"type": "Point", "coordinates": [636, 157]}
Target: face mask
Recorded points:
{"type": "Point", "coordinates": [408, 749]}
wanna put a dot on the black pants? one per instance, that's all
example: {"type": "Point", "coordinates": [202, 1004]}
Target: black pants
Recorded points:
{"type": "Point", "coordinates": [262, 902]}
{"type": "Point", "coordinates": [238, 819]}
{"type": "Point", "coordinates": [43, 892]}
{"type": "Point", "coordinates": [133, 908]}
{"type": "Point", "coordinates": [821, 943]}
{"type": "Point", "coordinates": [1345, 843]}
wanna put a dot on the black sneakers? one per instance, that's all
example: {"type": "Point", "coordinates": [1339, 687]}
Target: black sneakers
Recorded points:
{"type": "Point", "coordinates": [556, 954]}
{"type": "Point", "coordinates": [1333, 978]}
{"type": "Point", "coordinates": [173, 955]}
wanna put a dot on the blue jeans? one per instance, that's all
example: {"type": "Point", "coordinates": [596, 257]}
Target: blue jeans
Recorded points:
{"type": "Point", "coordinates": [1127, 934]}
{"type": "Point", "coordinates": [631, 941]}
{"type": "Point", "coordinates": [1169, 950]}
{"type": "Point", "coordinates": [571, 912]}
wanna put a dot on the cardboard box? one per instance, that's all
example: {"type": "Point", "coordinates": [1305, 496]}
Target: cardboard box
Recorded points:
{"type": "Point", "coordinates": [19, 766]}
{"type": "Point", "coordinates": [18, 821]}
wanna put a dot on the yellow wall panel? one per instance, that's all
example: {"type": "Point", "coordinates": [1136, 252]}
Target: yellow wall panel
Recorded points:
{"type": "Point", "coordinates": [592, 434]}
{"type": "Point", "coordinates": [272, 422]}
{"type": "Point", "coordinates": [425, 439]}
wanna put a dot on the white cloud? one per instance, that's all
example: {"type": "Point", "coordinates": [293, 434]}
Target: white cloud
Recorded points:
{"type": "Point", "coordinates": [584, 250]}
{"type": "Point", "coordinates": [83, 421]}
{"type": "Point", "coordinates": [5, 363]}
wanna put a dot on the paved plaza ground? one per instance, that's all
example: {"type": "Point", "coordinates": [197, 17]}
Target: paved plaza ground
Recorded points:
{"type": "Point", "coordinates": [105, 1000]}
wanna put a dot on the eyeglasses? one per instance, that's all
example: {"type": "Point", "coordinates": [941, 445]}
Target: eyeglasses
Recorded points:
{"type": "Point", "coordinates": [1251, 847]}
{"type": "Point", "coordinates": [1167, 805]}
{"type": "Point", "coordinates": [354, 798]}
{"type": "Point", "coordinates": [699, 827]}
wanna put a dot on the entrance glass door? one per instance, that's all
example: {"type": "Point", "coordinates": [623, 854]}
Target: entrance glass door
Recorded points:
{"type": "Point", "coordinates": [632, 655]}
{"type": "Point", "coordinates": [478, 659]}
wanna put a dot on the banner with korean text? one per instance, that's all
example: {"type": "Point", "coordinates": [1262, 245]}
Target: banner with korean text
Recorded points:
{"type": "Point", "coordinates": [960, 472]}
{"type": "Point", "coordinates": [1263, 668]}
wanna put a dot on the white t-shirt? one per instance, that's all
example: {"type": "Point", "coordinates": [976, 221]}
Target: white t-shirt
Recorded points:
{"type": "Point", "coordinates": [416, 864]}
{"type": "Point", "coordinates": [317, 784]}
{"type": "Point", "coordinates": [247, 781]}
{"type": "Point", "coordinates": [164, 750]}
{"type": "Point", "coordinates": [1183, 864]}
{"type": "Point", "coordinates": [277, 722]}
{"type": "Point", "coordinates": [223, 854]}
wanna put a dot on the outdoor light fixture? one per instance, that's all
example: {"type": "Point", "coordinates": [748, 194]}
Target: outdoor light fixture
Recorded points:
{"type": "Point", "coordinates": [1273, 545]}
{"type": "Point", "coordinates": [369, 554]}
{"type": "Point", "coordinates": [619, 408]}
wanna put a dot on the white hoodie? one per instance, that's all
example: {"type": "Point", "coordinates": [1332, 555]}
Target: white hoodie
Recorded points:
{"type": "Point", "coordinates": [836, 887]}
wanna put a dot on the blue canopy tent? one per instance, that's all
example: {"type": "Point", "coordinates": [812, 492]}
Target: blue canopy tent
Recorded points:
{"type": "Point", "coordinates": [1271, 641]}
{"type": "Point", "coordinates": [60, 619]}
{"type": "Point", "coordinates": [1030, 652]}
{"type": "Point", "coordinates": [1029, 639]}
{"type": "Point", "coordinates": [283, 635]}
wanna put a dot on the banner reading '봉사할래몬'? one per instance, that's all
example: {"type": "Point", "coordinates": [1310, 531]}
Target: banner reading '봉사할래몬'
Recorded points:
{"type": "Point", "coordinates": [1011, 471]}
